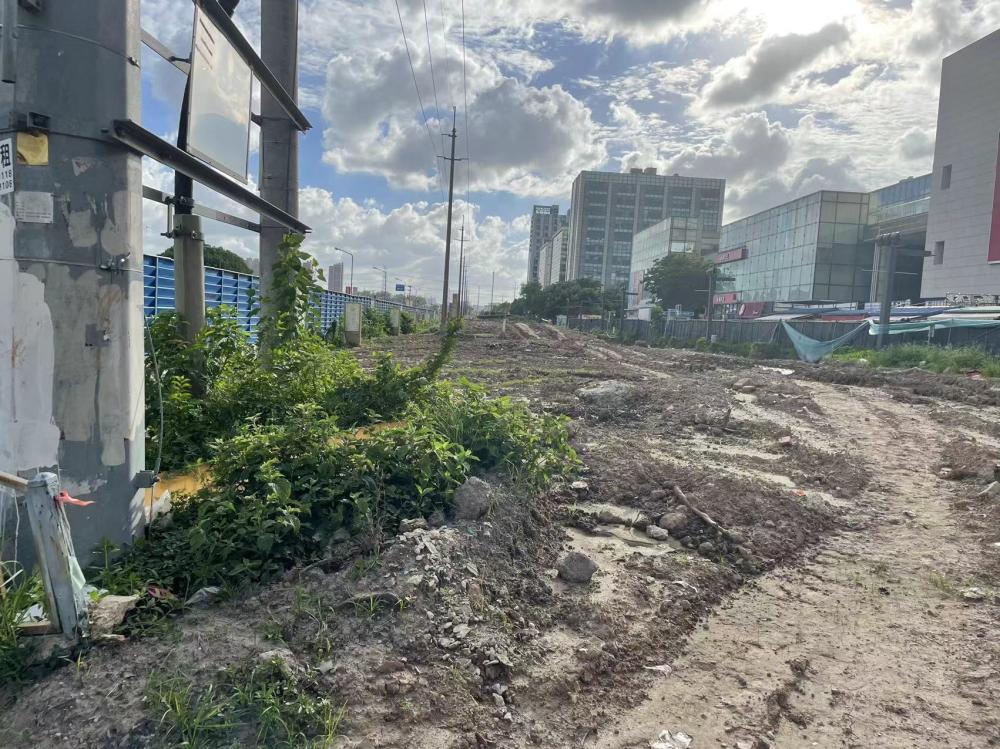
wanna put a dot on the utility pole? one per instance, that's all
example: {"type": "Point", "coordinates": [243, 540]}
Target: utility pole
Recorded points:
{"type": "Point", "coordinates": [451, 201]}
{"type": "Point", "coordinates": [71, 299]}
{"type": "Point", "coordinates": [461, 270]}
{"type": "Point", "coordinates": [279, 138]}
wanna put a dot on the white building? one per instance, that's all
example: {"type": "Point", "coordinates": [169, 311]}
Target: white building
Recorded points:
{"type": "Point", "coordinates": [335, 277]}
{"type": "Point", "coordinates": [963, 225]}
{"type": "Point", "coordinates": [545, 221]}
{"type": "Point", "coordinates": [558, 256]}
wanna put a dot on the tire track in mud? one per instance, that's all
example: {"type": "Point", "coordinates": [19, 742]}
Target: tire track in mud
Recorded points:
{"type": "Point", "coordinates": [859, 646]}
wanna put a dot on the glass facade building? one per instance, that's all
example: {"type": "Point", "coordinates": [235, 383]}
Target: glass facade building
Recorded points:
{"type": "Point", "coordinates": [659, 240]}
{"type": "Point", "coordinates": [821, 247]}
{"type": "Point", "coordinates": [609, 209]}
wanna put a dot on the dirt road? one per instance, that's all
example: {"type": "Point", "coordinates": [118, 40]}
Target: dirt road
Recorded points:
{"type": "Point", "coordinates": [865, 644]}
{"type": "Point", "coordinates": [779, 563]}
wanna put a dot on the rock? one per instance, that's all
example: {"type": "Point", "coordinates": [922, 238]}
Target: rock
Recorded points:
{"type": "Point", "coordinates": [658, 494]}
{"type": "Point", "coordinates": [610, 517]}
{"type": "Point", "coordinates": [657, 533]}
{"type": "Point", "coordinates": [391, 666]}
{"type": "Point", "coordinates": [706, 548]}
{"type": "Point", "coordinates": [499, 701]}
{"type": "Point", "coordinates": [283, 658]}
{"type": "Point", "coordinates": [460, 631]}
{"type": "Point", "coordinates": [576, 568]}
{"type": "Point", "coordinates": [203, 597]}
{"type": "Point", "coordinates": [945, 473]}
{"type": "Point", "coordinates": [611, 394]}
{"type": "Point", "coordinates": [472, 499]}
{"type": "Point", "coordinates": [325, 667]}
{"type": "Point", "coordinates": [108, 612]}
{"type": "Point", "coordinates": [579, 486]}
{"type": "Point", "coordinates": [641, 521]}
{"type": "Point", "coordinates": [742, 383]}
{"type": "Point", "coordinates": [668, 740]}
{"type": "Point", "coordinates": [674, 521]}
{"type": "Point", "coordinates": [992, 490]}
{"type": "Point", "coordinates": [411, 524]}
{"type": "Point", "coordinates": [786, 441]}
{"type": "Point", "coordinates": [973, 594]}
{"type": "Point", "coordinates": [436, 519]}
{"type": "Point", "coordinates": [748, 389]}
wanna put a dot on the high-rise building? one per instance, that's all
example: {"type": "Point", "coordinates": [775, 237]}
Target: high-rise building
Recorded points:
{"type": "Point", "coordinates": [335, 278]}
{"type": "Point", "coordinates": [545, 221]}
{"type": "Point", "coordinates": [963, 224]}
{"type": "Point", "coordinates": [609, 209]}
{"type": "Point", "coordinates": [557, 256]}
{"type": "Point", "coordinates": [667, 237]}
{"type": "Point", "coordinates": [545, 263]}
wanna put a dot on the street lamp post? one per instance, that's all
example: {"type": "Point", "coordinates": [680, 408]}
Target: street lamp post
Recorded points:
{"type": "Point", "coordinates": [352, 266]}
{"type": "Point", "coordinates": [385, 279]}
{"type": "Point", "coordinates": [888, 243]}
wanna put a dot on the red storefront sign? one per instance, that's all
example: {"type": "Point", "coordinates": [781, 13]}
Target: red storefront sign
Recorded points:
{"type": "Point", "coordinates": [729, 256]}
{"type": "Point", "coordinates": [751, 309]}
{"type": "Point", "coordinates": [730, 297]}
{"type": "Point", "coordinates": [994, 252]}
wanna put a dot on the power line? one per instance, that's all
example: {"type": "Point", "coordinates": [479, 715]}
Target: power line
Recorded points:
{"type": "Point", "coordinates": [430, 59]}
{"type": "Point", "coordinates": [420, 101]}
{"type": "Point", "coordinates": [465, 117]}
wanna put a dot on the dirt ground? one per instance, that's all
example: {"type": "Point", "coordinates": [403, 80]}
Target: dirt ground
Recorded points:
{"type": "Point", "coordinates": [782, 561]}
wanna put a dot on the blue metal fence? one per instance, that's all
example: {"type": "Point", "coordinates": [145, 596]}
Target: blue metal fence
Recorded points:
{"type": "Point", "coordinates": [240, 291]}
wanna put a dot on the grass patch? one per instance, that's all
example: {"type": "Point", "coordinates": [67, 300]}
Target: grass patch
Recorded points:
{"type": "Point", "coordinates": [23, 591]}
{"type": "Point", "coordinates": [259, 705]}
{"type": "Point", "coordinates": [939, 359]}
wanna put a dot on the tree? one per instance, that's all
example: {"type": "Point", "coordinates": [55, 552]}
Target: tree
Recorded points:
{"type": "Point", "coordinates": [579, 296]}
{"type": "Point", "coordinates": [218, 257]}
{"type": "Point", "coordinates": [680, 278]}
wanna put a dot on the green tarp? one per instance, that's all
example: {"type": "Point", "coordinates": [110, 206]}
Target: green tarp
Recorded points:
{"type": "Point", "coordinates": [811, 350]}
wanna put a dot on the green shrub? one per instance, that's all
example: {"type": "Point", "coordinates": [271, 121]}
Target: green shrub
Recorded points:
{"type": "Point", "coordinates": [407, 323]}
{"type": "Point", "coordinates": [22, 592]}
{"type": "Point", "coordinates": [374, 323]}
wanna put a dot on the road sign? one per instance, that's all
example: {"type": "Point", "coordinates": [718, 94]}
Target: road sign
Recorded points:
{"type": "Point", "coordinates": [400, 287]}
{"type": "Point", "coordinates": [219, 108]}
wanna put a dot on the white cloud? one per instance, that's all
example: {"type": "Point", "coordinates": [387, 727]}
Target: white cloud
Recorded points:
{"type": "Point", "coordinates": [916, 144]}
{"type": "Point", "coordinates": [538, 137]}
{"type": "Point", "coordinates": [771, 63]}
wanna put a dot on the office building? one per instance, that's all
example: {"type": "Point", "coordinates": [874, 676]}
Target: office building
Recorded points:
{"type": "Point", "coordinates": [553, 264]}
{"type": "Point", "coordinates": [545, 221]}
{"type": "Point", "coordinates": [821, 247]}
{"type": "Point", "coordinates": [335, 278]}
{"type": "Point", "coordinates": [670, 236]}
{"type": "Point", "coordinates": [545, 263]}
{"type": "Point", "coordinates": [963, 225]}
{"type": "Point", "coordinates": [609, 209]}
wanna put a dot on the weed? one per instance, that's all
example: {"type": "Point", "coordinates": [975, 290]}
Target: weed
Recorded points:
{"type": "Point", "coordinates": [272, 631]}
{"type": "Point", "coordinates": [943, 583]}
{"type": "Point", "coordinates": [940, 359]}
{"type": "Point", "coordinates": [187, 716]}
{"type": "Point", "coordinates": [23, 591]}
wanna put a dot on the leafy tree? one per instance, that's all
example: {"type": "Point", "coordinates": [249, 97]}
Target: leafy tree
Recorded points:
{"type": "Point", "coordinates": [679, 279]}
{"type": "Point", "coordinates": [218, 257]}
{"type": "Point", "coordinates": [579, 296]}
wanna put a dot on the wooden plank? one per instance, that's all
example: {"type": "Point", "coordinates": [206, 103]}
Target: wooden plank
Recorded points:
{"type": "Point", "coordinates": [55, 556]}
{"type": "Point", "coordinates": [34, 629]}
{"type": "Point", "coordinates": [14, 482]}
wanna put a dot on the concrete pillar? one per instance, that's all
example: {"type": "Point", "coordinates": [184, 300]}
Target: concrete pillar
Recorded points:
{"type": "Point", "coordinates": [189, 273]}
{"type": "Point", "coordinates": [279, 139]}
{"type": "Point", "coordinates": [352, 324]}
{"type": "Point", "coordinates": [71, 296]}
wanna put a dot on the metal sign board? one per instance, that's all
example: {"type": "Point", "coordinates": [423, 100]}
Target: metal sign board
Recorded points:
{"type": "Point", "coordinates": [400, 287]}
{"type": "Point", "coordinates": [6, 166]}
{"type": "Point", "coordinates": [218, 125]}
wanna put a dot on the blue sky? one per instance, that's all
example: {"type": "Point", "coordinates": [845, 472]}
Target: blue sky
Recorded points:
{"type": "Point", "coordinates": [780, 97]}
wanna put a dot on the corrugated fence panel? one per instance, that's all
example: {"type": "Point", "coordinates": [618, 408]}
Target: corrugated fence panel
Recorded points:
{"type": "Point", "coordinates": [241, 292]}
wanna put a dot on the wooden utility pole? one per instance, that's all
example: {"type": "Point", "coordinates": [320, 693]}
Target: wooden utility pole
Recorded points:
{"type": "Point", "coordinates": [451, 202]}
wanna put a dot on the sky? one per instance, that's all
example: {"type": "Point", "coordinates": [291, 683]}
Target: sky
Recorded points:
{"type": "Point", "coordinates": [779, 97]}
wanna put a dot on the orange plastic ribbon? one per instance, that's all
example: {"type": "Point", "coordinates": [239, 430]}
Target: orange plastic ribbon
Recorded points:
{"type": "Point", "coordinates": [64, 498]}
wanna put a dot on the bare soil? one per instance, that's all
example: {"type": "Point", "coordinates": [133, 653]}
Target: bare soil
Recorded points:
{"type": "Point", "coordinates": [849, 599]}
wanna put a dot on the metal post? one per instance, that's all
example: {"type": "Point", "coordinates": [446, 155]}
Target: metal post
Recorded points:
{"type": "Point", "coordinates": [493, 280]}
{"type": "Point", "coordinates": [189, 273]}
{"type": "Point", "coordinates": [888, 243]}
{"type": "Point", "coordinates": [461, 269]}
{"type": "Point", "coordinates": [279, 138]}
{"type": "Point", "coordinates": [56, 558]}
{"type": "Point", "coordinates": [71, 269]}
{"type": "Point", "coordinates": [447, 238]}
